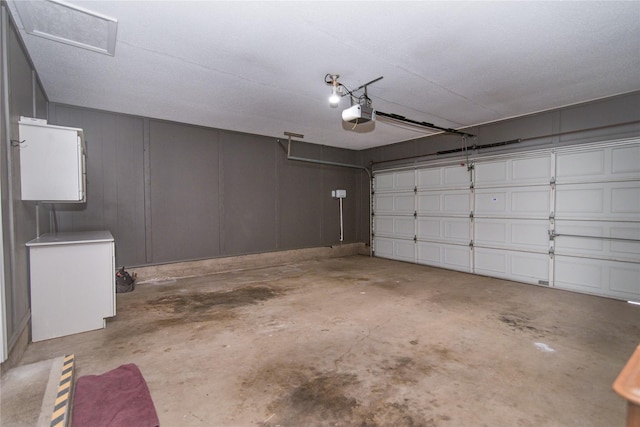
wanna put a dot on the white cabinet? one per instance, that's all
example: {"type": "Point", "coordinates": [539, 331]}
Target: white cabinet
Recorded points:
{"type": "Point", "coordinates": [72, 283]}
{"type": "Point", "coordinates": [52, 164]}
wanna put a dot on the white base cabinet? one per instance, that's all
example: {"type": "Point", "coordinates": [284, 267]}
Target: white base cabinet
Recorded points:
{"type": "Point", "coordinates": [72, 278]}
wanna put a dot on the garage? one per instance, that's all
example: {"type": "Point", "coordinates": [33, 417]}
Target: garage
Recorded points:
{"type": "Point", "coordinates": [284, 214]}
{"type": "Point", "coordinates": [567, 217]}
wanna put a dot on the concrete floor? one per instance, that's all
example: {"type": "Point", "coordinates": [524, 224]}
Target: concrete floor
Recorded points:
{"type": "Point", "coordinates": [360, 341]}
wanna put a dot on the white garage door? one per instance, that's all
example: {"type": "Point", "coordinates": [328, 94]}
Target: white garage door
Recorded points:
{"type": "Point", "coordinates": [568, 218]}
{"type": "Point", "coordinates": [394, 222]}
{"type": "Point", "coordinates": [511, 218]}
{"type": "Point", "coordinates": [443, 228]}
{"type": "Point", "coordinates": [597, 220]}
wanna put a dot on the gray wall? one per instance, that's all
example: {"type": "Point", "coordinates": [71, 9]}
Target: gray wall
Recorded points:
{"type": "Point", "coordinates": [18, 217]}
{"type": "Point", "coordinates": [172, 192]}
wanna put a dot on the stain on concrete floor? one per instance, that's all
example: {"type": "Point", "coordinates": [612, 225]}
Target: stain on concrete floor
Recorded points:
{"type": "Point", "coordinates": [523, 323]}
{"type": "Point", "coordinates": [339, 399]}
{"type": "Point", "coordinates": [204, 301]}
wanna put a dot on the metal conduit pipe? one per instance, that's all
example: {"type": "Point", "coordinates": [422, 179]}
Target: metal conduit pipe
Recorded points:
{"type": "Point", "coordinates": [328, 163]}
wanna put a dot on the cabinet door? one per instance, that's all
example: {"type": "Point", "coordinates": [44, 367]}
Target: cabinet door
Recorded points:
{"type": "Point", "coordinates": [72, 288]}
{"type": "Point", "coordinates": [51, 164]}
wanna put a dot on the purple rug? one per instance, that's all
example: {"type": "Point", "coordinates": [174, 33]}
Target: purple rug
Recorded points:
{"type": "Point", "coordinates": [118, 398]}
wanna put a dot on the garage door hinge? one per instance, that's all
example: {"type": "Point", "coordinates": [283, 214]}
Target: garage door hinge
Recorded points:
{"type": "Point", "coordinates": [415, 238]}
{"type": "Point", "coordinates": [552, 252]}
{"type": "Point", "coordinates": [552, 215]}
{"type": "Point", "coordinates": [470, 167]}
{"type": "Point", "coordinates": [552, 234]}
{"type": "Point", "coordinates": [471, 215]}
{"type": "Point", "coordinates": [553, 180]}
{"type": "Point", "coordinates": [373, 213]}
{"type": "Point", "coordinates": [415, 214]}
{"type": "Point", "coordinates": [415, 189]}
{"type": "Point", "coordinates": [471, 244]}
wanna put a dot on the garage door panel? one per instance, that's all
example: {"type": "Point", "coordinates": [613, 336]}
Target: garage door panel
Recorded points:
{"type": "Point", "coordinates": [384, 226]}
{"type": "Point", "coordinates": [443, 177]}
{"type": "Point", "coordinates": [519, 266]}
{"type": "Point", "coordinates": [457, 203]}
{"type": "Point", "coordinates": [491, 202]}
{"type": "Point", "coordinates": [625, 278]}
{"type": "Point", "coordinates": [620, 248]}
{"type": "Point", "coordinates": [513, 172]}
{"type": "Point", "coordinates": [384, 182]}
{"type": "Point", "coordinates": [405, 250]}
{"type": "Point", "coordinates": [616, 162]}
{"type": "Point", "coordinates": [457, 230]}
{"type": "Point", "coordinates": [531, 170]}
{"type": "Point", "coordinates": [404, 227]}
{"type": "Point", "coordinates": [429, 179]}
{"type": "Point", "coordinates": [490, 173]}
{"type": "Point", "coordinates": [578, 273]}
{"type": "Point", "coordinates": [395, 181]}
{"type": "Point", "coordinates": [573, 202]}
{"type": "Point", "coordinates": [452, 202]}
{"type": "Point", "coordinates": [453, 257]}
{"type": "Point", "coordinates": [429, 228]}
{"type": "Point", "coordinates": [490, 262]}
{"type": "Point", "coordinates": [598, 201]}
{"type": "Point", "coordinates": [625, 200]}
{"type": "Point", "coordinates": [404, 180]}
{"type": "Point", "coordinates": [602, 277]}
{"type": "Point", "coordinates": [404, 203]}
{"type": "Point", "coordinates": [592, 239]}
{"type": "Point", "coordinates": [453, 230]}
{"type": "Point", "coordinates": [528, 267]}
{"type": "Point", "coordinates": [384, 247]}
{"type": "Point", "coordinates": [528, 202]}
{"type": "Point", "coordinates": [625, 162]}
{"type": "Point", "coordinates": [456, 176]}
{"type": "Point", "coordinates": [402, 250]}
{"type": "Point", "coordinates": [531, 201]}
{"type": "Point", "coordinates": [430, 203]}
{"type": "Point", "coordinates": [430, 254]}
{"type": "Point", "coordinates": [566, 245]}
{"type": "Point", "coordinates": [384, 203]}
{"type": "Point", "coordinates": [532, 235]}
{"type": "Point", "coordinates": [395, 204]}
{"type": "Point", "coordinates": [400, 227]}
{"type": "Point", "coordinates": [573, 166]}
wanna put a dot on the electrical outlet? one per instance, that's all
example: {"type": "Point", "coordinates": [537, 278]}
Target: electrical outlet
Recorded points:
{"type": "Point", "coordinates": [338, 194]}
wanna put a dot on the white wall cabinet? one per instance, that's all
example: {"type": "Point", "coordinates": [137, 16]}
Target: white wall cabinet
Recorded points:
{"type": "Point", "coordinates": [72, 283]}
{"type": "Point", "coordinates": [52, 163]}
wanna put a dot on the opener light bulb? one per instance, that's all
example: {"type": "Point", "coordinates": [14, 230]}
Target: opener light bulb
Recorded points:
{"type": "Point", "coordinates": [334, 99]}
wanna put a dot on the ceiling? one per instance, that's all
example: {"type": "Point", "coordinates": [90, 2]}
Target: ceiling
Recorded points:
{"type": "Point", "coordinates": [259, 67]}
